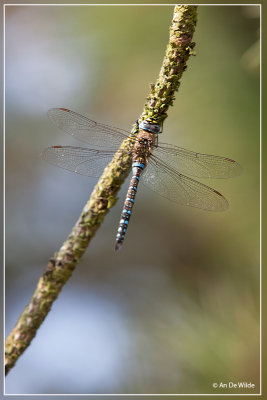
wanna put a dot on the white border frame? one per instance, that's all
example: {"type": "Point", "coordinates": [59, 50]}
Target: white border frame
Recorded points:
{"type": "Point", "coordinates": [133, 394]}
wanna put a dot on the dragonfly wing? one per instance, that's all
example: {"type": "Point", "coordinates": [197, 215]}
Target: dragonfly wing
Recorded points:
{"type": "Point", "coordinates": [197, 164]}
{"type": "Point", "coordinates": [88, 162]}
{"type": "Point", "coordinates": [85, 129]}
{"type": "Point", "coordinates": [181, 189]}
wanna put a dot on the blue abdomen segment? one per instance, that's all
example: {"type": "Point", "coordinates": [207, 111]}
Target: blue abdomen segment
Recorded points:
{"type": "Point", "coordinates": [150, 125]}
{"type": "Point", "coordinates": [138, 164]}
{"type": "Point", "coordinates": [128, 204]}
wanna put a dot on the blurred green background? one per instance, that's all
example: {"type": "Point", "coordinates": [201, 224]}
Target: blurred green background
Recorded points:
{"type": "Point", "coordinates": [177, 309]}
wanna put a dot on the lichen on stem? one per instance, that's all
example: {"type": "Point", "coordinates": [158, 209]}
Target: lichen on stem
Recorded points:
{"type": "Point", "coordinates": [104, 196]}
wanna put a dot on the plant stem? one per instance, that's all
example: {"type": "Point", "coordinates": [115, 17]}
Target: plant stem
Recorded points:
{"type": "Point", "coordinates": [104, 196]}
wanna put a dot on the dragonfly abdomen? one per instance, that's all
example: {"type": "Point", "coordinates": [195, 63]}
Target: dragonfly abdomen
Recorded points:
{"type": "Point", "coordinates": [137, 168]}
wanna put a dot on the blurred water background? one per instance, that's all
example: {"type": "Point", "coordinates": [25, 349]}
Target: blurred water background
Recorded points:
{"type": "Point", "coordinates": [178, 307]}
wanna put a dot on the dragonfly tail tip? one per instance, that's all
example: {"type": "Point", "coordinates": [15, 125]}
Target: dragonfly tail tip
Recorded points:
{"type": "Point", "coordinates": [118, 246]}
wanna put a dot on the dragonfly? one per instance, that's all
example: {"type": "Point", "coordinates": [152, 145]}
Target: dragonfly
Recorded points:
{"type": "Point", "coordinates": [162, 167]}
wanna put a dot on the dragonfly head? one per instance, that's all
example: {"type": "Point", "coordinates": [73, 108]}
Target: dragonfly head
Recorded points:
{"type": "Point", "coordinates": [150, 125]}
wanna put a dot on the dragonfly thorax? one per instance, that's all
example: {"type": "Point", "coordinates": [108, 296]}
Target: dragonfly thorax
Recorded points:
{"type": "Point", "coordinates": [143, 146]}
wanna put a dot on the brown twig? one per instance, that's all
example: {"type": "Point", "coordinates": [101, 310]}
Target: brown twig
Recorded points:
{"type": "Point", "coordinates": [59, 268]}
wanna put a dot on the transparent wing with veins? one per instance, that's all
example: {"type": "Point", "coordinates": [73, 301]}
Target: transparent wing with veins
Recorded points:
{"type": "Point", "coordinates": [176, 187]}
{"type": "Point", "coordinates": [81, 160]}
{"type": "Point", "coordinates": [87, 130]}
{"type": "Point", "coordinates": [196, 164]}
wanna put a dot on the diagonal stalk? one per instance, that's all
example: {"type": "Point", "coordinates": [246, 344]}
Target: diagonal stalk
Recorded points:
{"type": "Point", "coordinates": [104, 196]}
